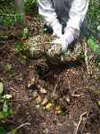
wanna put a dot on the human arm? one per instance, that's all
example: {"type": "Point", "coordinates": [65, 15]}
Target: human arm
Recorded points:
{"type": "Point", "coordinates": [77, 15]}
{"type": "Point", "coordinates": [49, 15]}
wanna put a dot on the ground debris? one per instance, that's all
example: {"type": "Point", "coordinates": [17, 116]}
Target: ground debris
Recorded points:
{"type": "Point", "coordinates": [50, 97]}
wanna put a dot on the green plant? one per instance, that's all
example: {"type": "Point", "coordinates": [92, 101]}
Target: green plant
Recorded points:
{"type": "Point", "coordinates": [18, 46]}
{"type": "Point", "coordinates": [28, 4]}
{"type": "Point", "coordinates": [5, 110]}
{"type": "Point", "coordinates": [93, 16]}
{"type": "Point", "coordinates": [93, 45]}
{"type": "Point", "coordinates": [11, 19]}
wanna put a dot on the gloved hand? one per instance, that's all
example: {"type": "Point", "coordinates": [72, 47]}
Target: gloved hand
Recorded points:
{"type": "Point", "coordinates": [59, 47]}
{"type": "Point", "coordinates": [57, 28]}
{"type": "Point", "coordinates": [63, 43]}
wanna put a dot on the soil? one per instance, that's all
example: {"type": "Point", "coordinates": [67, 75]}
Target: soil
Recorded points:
{"type": "Point", "coordinates": [66, 86]}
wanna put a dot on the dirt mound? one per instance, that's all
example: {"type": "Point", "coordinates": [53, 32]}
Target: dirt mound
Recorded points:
{"type": "Point", "coordinates": [54, 100]}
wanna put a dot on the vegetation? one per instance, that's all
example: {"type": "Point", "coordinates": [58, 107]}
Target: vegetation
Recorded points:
{"type": "Point", "coordinates": [35, 87]}
{"type": "Point", "coordinates": [5, 110]}
{"type": "Point", "coordinates": [94, 17]}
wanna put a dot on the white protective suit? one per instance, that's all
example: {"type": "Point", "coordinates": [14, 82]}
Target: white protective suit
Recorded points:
{"type": "Point", "coordinates": [67, 14]}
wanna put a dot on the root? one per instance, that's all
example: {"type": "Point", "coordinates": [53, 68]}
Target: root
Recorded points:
{"type": "Point", "coordinates": [80, 121]}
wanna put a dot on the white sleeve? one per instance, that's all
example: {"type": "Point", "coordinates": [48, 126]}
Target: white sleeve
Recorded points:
{"type": "Point", "coordinates": [76, 17]}
{"type": "Point", "coordinates": [47, 11]}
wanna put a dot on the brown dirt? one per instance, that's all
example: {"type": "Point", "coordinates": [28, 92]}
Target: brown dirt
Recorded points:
{"type": "Point", "coordinates": [66, 86]}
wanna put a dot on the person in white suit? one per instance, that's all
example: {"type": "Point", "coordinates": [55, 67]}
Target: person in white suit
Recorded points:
{"type": "Point", "coordinates": [65, 17]}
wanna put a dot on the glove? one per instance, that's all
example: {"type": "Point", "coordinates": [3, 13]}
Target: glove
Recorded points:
{"type": "Point", "coordinates": [57, 28]}
{"type": "Point", "coordinates": [63, 43]}
{"type": "Point", "coordinates": [69, 36]}
{"type": "Point", "coordinates": [59, 47]}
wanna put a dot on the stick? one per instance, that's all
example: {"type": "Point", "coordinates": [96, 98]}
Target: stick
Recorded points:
{"type": "Point", "coordinates": [56, 85]}
{"type": "Point", "coordinates": [79, 123]}
{"type": "Point", "coordinates": [22, 125]}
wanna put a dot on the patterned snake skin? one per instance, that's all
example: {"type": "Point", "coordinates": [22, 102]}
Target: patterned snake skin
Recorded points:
{"type": "Point", "coordinates": [41, 45]}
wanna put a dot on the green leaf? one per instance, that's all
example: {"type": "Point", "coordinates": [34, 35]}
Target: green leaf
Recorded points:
{"type": "Point", "coordinates": [5, 107]}
{"type": "Point", "coordinates": [93, 46]}
{"type": "Point", "coordinates": [10, 112]}
{"type": "Point", "coordinates": [28, 4]}
{"type": "Point", "coordinates": [13, 131]}
{"type": "Point", "coordinates": [25, 33]}
{"type": "Point", "coordinates": [1, 88]}
{"type": "Point", "coordinates": [98, 102]}
{"type": "Point", "coordinates": [44, 30]}
{"type": "Point", "coordinates": [2, 116]}
{"type": "Point", "coordinates": [7, 67]}
{"type": "Point", "coordinates": [18, 47]}
{"type": "Point", "coordinates": [7, 96]}
{"type": "Point", "coordinates": [2, 130]}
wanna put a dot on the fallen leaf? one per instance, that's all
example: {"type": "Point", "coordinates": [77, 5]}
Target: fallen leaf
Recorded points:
{"type": "Point", "coordinates": [7, 96]}
{"type": "Point", "coordinates": [49, 106]}
{"type": "Point", "coordinates": [45, 101]}
{"type": "Point", "coordinates": [1, 88]}
{"type": "Point", "coordinates": [38, 100]}
{"type": "Point", "coordinates": [98, 102]}
{"type": "Point", "coordinates": [43, 90]}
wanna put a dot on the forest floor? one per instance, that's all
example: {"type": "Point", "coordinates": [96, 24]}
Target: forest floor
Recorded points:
{"type": "Point", "coordinates": [60, 100]}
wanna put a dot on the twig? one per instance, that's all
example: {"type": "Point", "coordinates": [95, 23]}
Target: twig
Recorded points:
{"type": "Point", "coordinates": [76, 95]}
{"type": "Point", "coordinates": [55, 87]}
{"type": "Point", "coordinates": [1, 48]}
{"type": "Point", "coordinates": [79, 123]}
{"type": "Point", "coordinates": [22, 125]}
